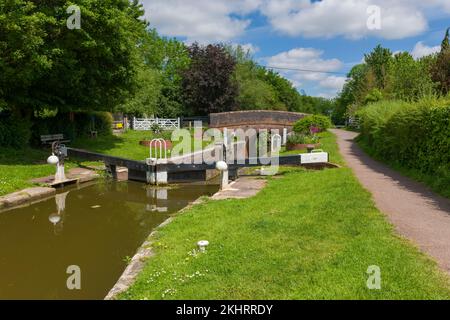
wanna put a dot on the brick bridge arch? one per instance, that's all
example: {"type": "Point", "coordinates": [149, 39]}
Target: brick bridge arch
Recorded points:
{"type": "Point", "coordinates": [255, 119]}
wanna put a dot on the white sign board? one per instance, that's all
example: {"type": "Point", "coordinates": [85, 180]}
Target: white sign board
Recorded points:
{"type": "Point", "coordinates": [318, 157]}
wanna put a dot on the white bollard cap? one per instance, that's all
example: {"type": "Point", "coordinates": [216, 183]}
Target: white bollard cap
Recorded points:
{"type": "Point", "coordinates": [221, 166]}
{"type": "Point", "coordinates": [53, 160]}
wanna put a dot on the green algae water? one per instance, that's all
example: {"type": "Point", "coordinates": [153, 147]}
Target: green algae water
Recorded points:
{"type": "Point", "coordinates": [97, 228]}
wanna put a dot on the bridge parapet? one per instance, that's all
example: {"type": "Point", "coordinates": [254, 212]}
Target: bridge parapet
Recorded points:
{"type": "Point", "coordinates": [256, 119]}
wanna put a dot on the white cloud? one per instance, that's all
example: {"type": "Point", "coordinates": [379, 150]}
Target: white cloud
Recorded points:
{"type": "Point", "coordinates": [227, 20]}
{"type": "Point", "coordinates": [333, 82]}
{"type": "Point", "coordinates": [309, 59]}
{"type": "Point", "coordinates": [304, 58]}
{"type": "Point", "coordinates": [200, 20]}
{"type": "Point", "coordinates": [420, 50]}
{"type": "Point", "coordinates": [248, 47]}
{"type": "Point", "coordinates": [348, 18]}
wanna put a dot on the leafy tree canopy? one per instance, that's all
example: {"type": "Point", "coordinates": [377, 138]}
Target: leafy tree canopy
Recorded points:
{"type": "Point", "coordinates": [43, 64]}
{"type": "Point", "coordinates": [207, 83]}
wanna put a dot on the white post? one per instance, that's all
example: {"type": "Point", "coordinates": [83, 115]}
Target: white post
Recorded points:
{"type": "Point", "coordinates": [161, 172]}
{"type": "Point", "coordinates": [224, 176]}
{"type": "Point", "coordinates": [225, 137]}
{"type": "Point", "coordinates": [60, 175]}
{"type": "Point", "coordinates": [285, 133]}
{"type": "Point", "coordinates": [276, 143]}
{"type": "Point", "coordinates": [225, 180]}
{"type": "Point", "coordinates": [179, 123]}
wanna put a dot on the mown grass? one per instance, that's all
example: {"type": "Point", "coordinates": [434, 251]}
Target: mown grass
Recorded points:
{"type": "Point", "coordinates": [308, 235]}
{"type": "Point", "coordinates": [127, 144]}
{"type": "Point", "coordinates": [18, 167]}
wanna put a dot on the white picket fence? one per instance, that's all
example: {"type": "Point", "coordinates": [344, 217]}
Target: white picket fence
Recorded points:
{"type": "Point", "coordinates": [146, 124]}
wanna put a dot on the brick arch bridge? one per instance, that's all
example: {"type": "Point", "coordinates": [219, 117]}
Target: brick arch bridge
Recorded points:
{"type": "Point", "coordinates": [255, 119]}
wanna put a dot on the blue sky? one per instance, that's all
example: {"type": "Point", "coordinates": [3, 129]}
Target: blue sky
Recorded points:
{"type": "Point", "coordinates": [328, 35]}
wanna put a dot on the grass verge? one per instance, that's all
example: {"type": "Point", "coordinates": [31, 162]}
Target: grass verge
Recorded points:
{"type": "Point", "coordinates": [437, 183]}
{"type": "Point", "coordinates": [308, 235]}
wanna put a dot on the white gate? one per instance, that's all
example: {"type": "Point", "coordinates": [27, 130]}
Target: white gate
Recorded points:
{"type": "Point", "coordinates": [146, 124]}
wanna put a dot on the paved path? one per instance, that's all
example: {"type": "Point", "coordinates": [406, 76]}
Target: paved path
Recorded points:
{"type": "Point", "coordinates": [244, 187]}
{"type": "Point", "coordinates": [417, 213]}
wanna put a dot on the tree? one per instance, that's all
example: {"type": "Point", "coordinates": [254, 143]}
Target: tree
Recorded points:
{"type": "Point", "coordinates": [379, 61]}
{"type": "Point", "coordinates": [207, 83]}
{"type": "Point", "coordinates": [158, 93]}
{"type": "Point", "coordinates": [254, 93]}
{"type": "Point", "coordinates": [409, 79]}
{"type": "Point", "coordinates": [43, 64]}
{"type": "Point", "coordinates": [441, 69]}
{"type": "Point", "coordinates": [446, 42]}
{"type": "Point", "coordinates": [146, 98]}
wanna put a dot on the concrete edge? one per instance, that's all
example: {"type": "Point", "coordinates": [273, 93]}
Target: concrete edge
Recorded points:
{"type": "Point", "coordinates": [33, 195]}
{"type": "Point", "coordinates": [25, 197]}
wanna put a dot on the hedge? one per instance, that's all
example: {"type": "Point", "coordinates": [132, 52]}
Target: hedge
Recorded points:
{"type": "Point", "coordinates": [16, 132]}
{"type": "Point", "coordinates": [415, 135]}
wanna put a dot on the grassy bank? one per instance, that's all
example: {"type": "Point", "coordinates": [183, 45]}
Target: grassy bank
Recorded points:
{"type": "Point", "coordinates": [18, 167]}
{"type": "Point", "coordinates": [308, 235]}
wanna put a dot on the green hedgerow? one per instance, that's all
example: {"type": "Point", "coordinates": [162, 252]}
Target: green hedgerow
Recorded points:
{"type": "Point", "coordinates": [317, 121]}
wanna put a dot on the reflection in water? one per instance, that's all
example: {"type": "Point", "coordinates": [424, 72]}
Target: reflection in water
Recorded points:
{"type": "Point", "coordinates": [95, 228]}
{"type": "Point", "coordinates": [57, 219]}
{"type": "Point", "coordinates": [160, 196]}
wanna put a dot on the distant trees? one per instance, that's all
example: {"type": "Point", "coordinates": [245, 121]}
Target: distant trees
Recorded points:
{"type": "Point", "coordinates": [388, 76]}
{"type": "Point", "coordinates": [264, 89]}
{"type": "Point", "coordinates": [159, 91]}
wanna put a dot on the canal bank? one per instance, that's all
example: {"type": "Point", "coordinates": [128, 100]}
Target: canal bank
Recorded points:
{"type": "Point", "coordinates": [32, 195]}
{"type": "Point", "coordinates": [244, 187]}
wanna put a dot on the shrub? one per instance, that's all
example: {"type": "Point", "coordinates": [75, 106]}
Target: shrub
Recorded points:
{"type": "Point", "coordinates": [14, 131]}
{"type": "Point", "coordinates": [302, 139]}
{"type": "Point", "coordinates": [304, 125]}
{"type": "Point", "coordinates": [374, 117]}
{"type": "Point", "coordinates": [416, 136]}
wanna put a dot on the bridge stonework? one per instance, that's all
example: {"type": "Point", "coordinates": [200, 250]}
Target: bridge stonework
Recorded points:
{"type": "Point", "coordinates": [256, 119]}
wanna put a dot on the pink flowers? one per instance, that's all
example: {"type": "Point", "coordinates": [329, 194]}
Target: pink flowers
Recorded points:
{"type": "Point", "coordinates": [314, 130]}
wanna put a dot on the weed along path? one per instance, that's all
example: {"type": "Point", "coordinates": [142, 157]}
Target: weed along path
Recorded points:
{"type": "Point", "coordinates": [417, 213]}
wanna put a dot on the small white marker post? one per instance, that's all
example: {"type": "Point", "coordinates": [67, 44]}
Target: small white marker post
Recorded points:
{"type": "Point", "coordinates": [223, 168]}
{"type": "Point", "coordinates": [202, 245]}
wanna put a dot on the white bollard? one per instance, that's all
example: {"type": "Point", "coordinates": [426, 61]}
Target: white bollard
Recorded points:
{"type": "Point", "coordinates": [223, 168]}
{"type": "Point", "coordinates": [285, 134]}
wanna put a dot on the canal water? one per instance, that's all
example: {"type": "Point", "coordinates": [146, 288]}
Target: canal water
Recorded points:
{"type": "Point", "coordinates": [97, 228]}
